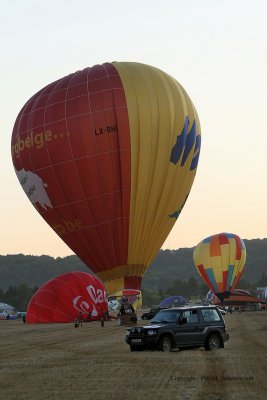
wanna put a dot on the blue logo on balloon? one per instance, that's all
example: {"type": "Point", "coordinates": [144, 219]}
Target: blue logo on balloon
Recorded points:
{"type": "Point", "coordinates": [184, 144]}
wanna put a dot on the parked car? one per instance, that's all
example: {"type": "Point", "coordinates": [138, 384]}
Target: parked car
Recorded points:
{"type": "Point", "coordinates": [194, 326]}
{"type": "Point", "coordinates": [21, 314]}
{"type": "Point", "coordinates": [151, 313]}
{"type": "Point", "coordinates": [3, 315]}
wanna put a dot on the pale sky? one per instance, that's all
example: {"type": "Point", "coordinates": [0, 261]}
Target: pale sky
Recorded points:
{"type": "Point", "coordinates": [217, 50]}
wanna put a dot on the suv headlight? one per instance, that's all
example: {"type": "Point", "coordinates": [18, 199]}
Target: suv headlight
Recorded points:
{"type": "Point", "coordinates": [151, 332]}
{"type": "Point", "coordinates": [128, 332]}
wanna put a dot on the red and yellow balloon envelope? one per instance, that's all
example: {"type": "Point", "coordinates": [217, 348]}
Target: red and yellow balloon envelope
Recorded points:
{"type": "Point", "coordinates": [108, 155]}
{"type": "Point", "coordinates": [220, 260]}
{"type": "Point", "coordinates": [63, 298]}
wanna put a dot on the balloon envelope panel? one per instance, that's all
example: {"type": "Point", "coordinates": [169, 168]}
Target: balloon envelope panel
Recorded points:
{"type": "Point", "coordinates": [220, 260]}
{"type": "Point", "coordinates": [108, 156]}
{"type": "Point", "coordinates": [63, 298]}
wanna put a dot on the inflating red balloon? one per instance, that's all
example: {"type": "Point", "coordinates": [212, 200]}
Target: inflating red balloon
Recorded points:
{"type": "Point", "coordinates": [64, 297]}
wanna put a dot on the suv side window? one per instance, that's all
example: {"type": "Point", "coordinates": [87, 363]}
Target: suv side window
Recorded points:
{"type": "Point", "coordinates": [210, 315]}
{"type": "Point", "coordinates": [191, 316]}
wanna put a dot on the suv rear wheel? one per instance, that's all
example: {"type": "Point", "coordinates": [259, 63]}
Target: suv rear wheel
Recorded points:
{"type": "Point", "coordinates": [165, 344]}
{"type": "Point", "coordinates": [213, 342]}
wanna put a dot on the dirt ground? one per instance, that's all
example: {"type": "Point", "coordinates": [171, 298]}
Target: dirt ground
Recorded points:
{"type": "Point", "coordinates": [57, 361]}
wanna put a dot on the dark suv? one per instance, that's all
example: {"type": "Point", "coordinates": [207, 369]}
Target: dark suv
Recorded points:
{"type": "Point", "coordinates": [180, 327]}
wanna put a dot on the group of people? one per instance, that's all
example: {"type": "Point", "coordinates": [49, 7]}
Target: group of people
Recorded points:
{"type": "Point", "coordinates": [126, 308]}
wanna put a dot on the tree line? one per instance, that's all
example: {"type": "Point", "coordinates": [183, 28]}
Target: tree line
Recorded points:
{"type": "Point", "coordinates": [167, 266]}
{"type": "Point", "coordinates": [194, 289]}
{"type": "Point", "coordinates": [171, 272]}
{"type": "Point", "coordinates": [19, 296]}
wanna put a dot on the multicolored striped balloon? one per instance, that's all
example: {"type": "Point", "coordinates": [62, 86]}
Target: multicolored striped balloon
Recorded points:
{"type": "Point", "coordinates": [108, 155]}
{"type": "Point", "coordinates": [220, 260]}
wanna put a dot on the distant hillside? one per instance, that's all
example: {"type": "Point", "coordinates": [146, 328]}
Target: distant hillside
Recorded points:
{"type": "Point", "coordinates": [35, 270]}
{"type": "Point", "coordinates": [168, 266]}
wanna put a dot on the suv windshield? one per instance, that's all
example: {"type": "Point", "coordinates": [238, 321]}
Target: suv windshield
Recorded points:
{"type": "Point", "coordinates": [166, 316]}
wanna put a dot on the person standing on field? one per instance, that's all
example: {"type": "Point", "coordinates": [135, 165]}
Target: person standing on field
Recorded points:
{"type": "Point", "coordinates": [80, 319]}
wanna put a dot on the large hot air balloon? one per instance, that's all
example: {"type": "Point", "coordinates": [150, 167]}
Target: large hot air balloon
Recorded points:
{"type": "Point", "coordinates": [107, 156]}
{"type": "Point", "coordinates": [63, 298]}
{"type": "Point", "coordinates": [220, 260]}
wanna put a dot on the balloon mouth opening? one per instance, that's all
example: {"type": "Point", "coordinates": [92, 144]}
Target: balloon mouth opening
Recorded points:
{"type": "Point", "coordinates": [223, 295]}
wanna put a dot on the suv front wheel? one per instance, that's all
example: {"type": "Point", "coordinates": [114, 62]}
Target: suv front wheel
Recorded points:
{"type": "Point", "coordinates": [165, 344]}
{"type": "Point", "coordinates": [213, 342]}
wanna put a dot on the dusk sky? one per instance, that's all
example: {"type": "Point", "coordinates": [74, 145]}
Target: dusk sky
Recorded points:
{"type": "Point", "coordinates": [216, 49]}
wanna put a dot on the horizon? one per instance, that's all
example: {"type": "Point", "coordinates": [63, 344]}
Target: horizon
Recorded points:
{"type": "Point", "coordinates": [73, 254]}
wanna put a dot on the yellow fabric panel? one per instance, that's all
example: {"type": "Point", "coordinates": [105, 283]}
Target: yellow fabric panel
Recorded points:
{"type": "Point", "coordinates": [216, 264]}
{"type": "Point", "coordinates": [157, 107]}
{"type": "Point", "coordinates": [225, 257]}
{"type": "Point", "coordinates": [232, 251]}
{"type": "Point", "coordinates": [201, 255]}
{"type": "Point", "coordinates": [242, 262]}
{"type": "Point", "coordinates": [138, 302]}
{"type": "Point", "coordinates": [112, 285]}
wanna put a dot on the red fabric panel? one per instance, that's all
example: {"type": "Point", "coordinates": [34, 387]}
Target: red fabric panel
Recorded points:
{"type": "Point", "coordinates": [223, 239]}
{"type": "Point", "coordinates": [71, 150]}
{"type": "Point", "coordinates": [225, 276]}
{"type": "Point", "coordinates": [215, 249]}
{"type": "Point", "coordinates": [130, 292]}
{"type": "Point", "coordinates": [132, 282]}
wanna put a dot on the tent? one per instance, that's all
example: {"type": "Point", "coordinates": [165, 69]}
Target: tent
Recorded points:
{"type": "Point", "coordinates": [7, 310]}
{"type": "Point", "coordinates": [173, 301]}
{"type": "Point", "coordinates": [262, 293]}
{"type": "Point", "coordinates": [240, 297]}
